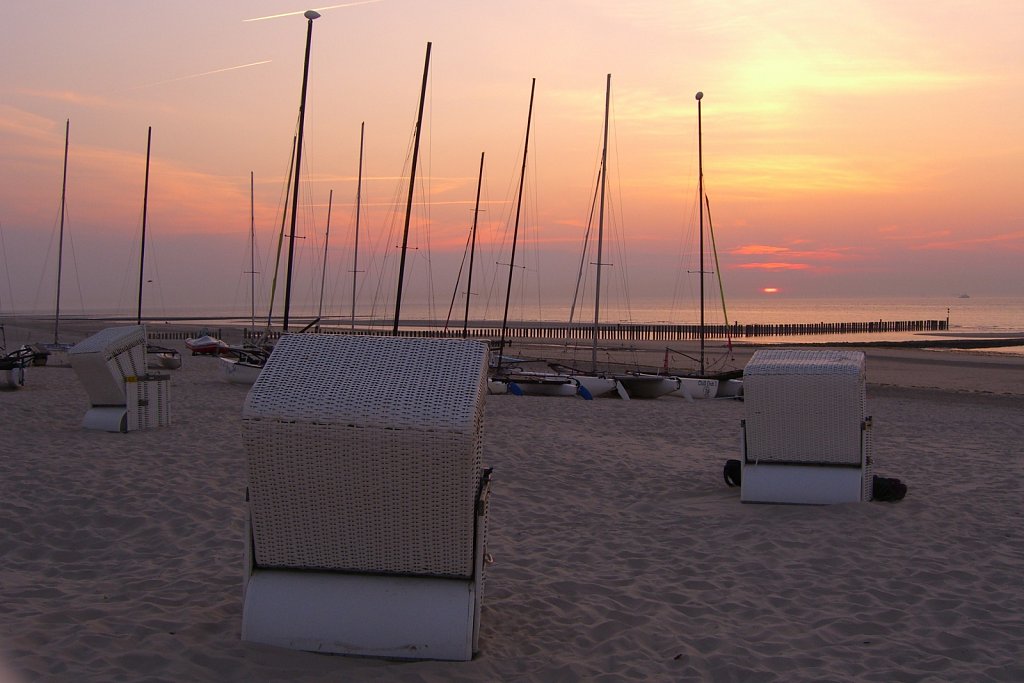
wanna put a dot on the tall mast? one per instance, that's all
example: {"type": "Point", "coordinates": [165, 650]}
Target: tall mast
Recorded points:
{"type": "Point", "coordinates": [600, 223]}
{"type": "Point", "coordinates": [472, 247]}
{"type": "Point", "coordinates": [145, 204]}
{"type": "Point", "coordinates": [359, 198]}
{"type": "Point", "coordinates": [310, 16]}
{"type": "Point", "coordinates": [252, 247]}
{"type": "Point", "coordinates": [515, 231]}
{"type": "Point", "coordinates": [280, 239]}
{"type": "Point", "coordinates": [323, 272]}
{"type": "Point", "coordinates": [412, 184]}
{"type": "Point", "coordinates": [60, 244]}
{"type": "Point", "coordinates": [700, 183]}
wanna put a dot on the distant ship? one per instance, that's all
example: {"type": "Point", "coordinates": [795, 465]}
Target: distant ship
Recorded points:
{"type": "Point", "coordinates": [964, 296]}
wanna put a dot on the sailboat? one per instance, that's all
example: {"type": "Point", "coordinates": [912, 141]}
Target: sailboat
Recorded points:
{"type": "Point", "coordinates": [246, 363]}
{"type": "Point", "coordinates": [44, 349]}
{"type": "Point", "coordinates": [594, 384]}
{"type": "Point", "coordinates": [703, 384]}
{"type": "Point", "coordinates": [156, 356]}
{"type": "Point", "coordinates": [514, 380]}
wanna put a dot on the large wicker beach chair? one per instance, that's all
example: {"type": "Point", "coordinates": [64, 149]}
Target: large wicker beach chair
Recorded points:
{"type": "Point", "coordinates": [367, 496]}
{"type": "Point", "coordinates": [111, 365]}
{"type": "Point", "coordinates": [806, 436]}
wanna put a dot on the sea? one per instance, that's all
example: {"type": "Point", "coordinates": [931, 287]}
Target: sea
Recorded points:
{"type": "Point", "coordinates": [973, 317]}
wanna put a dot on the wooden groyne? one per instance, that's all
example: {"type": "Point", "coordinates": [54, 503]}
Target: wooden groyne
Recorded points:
{"type": "Point", "coordinates": [639, 331]}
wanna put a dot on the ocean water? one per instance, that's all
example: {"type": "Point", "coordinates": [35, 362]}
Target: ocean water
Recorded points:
{"type": "Point", "coordinates": [972, 317]}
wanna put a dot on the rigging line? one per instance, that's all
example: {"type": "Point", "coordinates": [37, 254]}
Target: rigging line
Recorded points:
{"type": "Point", "coordinates": [458, 279]}
{"type": "Point", "coordinates": [718, 271]}
{"type": "Point", "coordinates": [280, 239]}
{"type": "Point", "coordinates": [586, 244]}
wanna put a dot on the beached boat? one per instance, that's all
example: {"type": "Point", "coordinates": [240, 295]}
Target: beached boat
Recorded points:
{"type": "Point", "coordinates": [206, 346]}
{"type": "Point", "coordinates": [523, 382]}
{"type": "Point", "coordinates": [519, 381]}
{"type": "Point", "coordinates": [704, 384]}
{"type": "Point", "coordinates": [12, 368]}
{"type": "Point", "coordinates": [244, 366]}
{"type": "Point", "coordinates": [162, 357]}
{"type": "Point", "coordinates": [648, 385]}
{"type": "Point", "coordinates": [593, 383]}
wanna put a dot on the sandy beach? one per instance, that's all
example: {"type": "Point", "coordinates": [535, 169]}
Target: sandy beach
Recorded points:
{"type": "Point", "coordinates": [620, 553]}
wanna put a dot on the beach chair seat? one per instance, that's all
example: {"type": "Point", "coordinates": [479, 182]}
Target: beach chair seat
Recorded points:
{"type": "Point", "coordinates": [367, 496]}
{"type": "Point", "coordinates": [806, 436]}
{"type": "Point", "coordinates": [111, 365]}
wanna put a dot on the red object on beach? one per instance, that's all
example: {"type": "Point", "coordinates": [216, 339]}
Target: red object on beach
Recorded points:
{"type": "Point", "coordinates": [206, 346]}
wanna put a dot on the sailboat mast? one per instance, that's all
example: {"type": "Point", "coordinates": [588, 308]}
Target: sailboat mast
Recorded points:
{"type": "Point", "coordinates": [145, 204]}
{"type": "Point", "coordinates": [515, 231]}
{"type": "Point", "coordinates": [359, 198]}
{"type": "Point", "coordinates": [700, 183]}
{"type": "Point", "coordinates": [252, 247]}
{"type": "Point", "coordinates": [412, 187]}
{"type": "Point", "coordinates": [280, 239]}
{"type": "Point", "coordinates": [60, 244]}
{"type": "Point", "coordinates": [323, 271]}
{"type": "Point", "coordinates": [310, 16]}
{"type": "Point", "coordinates": [472, 247]}
{"type": "Point", "coordinates": [600, 223]}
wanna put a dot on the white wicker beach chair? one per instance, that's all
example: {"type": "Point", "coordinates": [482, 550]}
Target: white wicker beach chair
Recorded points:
{"type": "Point", "coordinates": [367, 497]}
{"type": "Point", "coordinates": [111, 365]}
{"type": "Point", "coordinates": [806, 436]}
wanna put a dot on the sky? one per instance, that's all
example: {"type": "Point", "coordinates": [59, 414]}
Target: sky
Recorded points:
{"type": "Point", "coordinates": [850, 148]}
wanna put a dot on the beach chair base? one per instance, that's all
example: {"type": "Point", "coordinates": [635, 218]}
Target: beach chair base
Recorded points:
{"type": "Point", "coordinates": [807, 484]}
{"type": "Point", "coordinates": [106, 418]}
{"type": "Point", "coordinates": [398, 617]}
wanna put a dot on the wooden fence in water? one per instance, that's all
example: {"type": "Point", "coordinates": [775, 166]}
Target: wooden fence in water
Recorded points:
{"type": "Point", "coordinates": [637, 331]}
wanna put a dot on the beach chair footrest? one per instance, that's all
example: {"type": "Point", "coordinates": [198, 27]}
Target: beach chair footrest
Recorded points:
{"type": "Point", "coordinates": [397, 617]}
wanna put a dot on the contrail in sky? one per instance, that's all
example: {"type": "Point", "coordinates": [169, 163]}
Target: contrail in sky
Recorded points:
{"type": "Point", "coordinates": [317, 9]}
{"type": "Point", "coordinates": [205, 73]}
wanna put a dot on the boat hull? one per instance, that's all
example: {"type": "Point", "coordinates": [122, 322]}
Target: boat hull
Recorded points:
{"type": "Point", "coordinates": [645, 386]}
{"type": "Point", "coordinates": [697, 387]}
{"type": "Point", "coordinates": [237, 372]}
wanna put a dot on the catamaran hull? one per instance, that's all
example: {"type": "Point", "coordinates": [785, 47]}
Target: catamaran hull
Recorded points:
{"type": "Point", "coordinates": [696, 387]}
{"type": "Point", "coordinates": [597, 386]}
{"type": "Point", "coordinates": [237, 372]}
{"type": "Point", "coordinates": [648, 386]}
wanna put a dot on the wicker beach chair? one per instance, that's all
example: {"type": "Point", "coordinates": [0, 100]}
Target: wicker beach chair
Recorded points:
{"type": "Point", "coordinates": [111, 365]}
{"type": "Point", "coordinates": [367, 497]}
{"type": "Point", "coordinates": [806, 436]}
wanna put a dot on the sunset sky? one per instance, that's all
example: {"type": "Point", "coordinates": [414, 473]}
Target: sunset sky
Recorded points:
{"type": "Point", "coordinates": [871, 148]}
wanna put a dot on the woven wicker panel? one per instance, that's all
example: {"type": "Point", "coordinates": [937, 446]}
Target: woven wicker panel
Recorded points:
{"type": "Point", "coordinates": [106, 359]}
{"type": "Point", "coordinates": [390, 382]}
{"type": "Point", "coordinates": [364, 454]}
{"type": "Point", "coordinates": [805, 406]}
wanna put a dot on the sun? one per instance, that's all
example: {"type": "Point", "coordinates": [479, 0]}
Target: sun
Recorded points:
{"type": "Point", "coordinates": [770, 290]}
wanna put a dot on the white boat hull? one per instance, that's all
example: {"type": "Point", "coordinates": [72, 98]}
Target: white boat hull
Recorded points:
{"type": "Point", "coordinates": [237, 372]}
{"type": "Point", "coordinates": [696, 387]}
{"type": "Point", "coordinates": [597, 386]}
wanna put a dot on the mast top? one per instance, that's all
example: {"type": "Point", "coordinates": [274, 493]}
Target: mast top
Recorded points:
{"type": "Point", "coordinates": [699, 95]}
{"type": "Point", "coordinates": [311, 14]}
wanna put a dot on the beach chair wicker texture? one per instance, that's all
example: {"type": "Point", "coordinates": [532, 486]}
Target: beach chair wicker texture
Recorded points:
{"type": "Point", "coordinates": [806, 434]}
{"type": "Point", "coordinates": [805, 406]}
{"type": "Point", "coordinates": [364, 454]}
{"type": "Point", "coordinates": [106, 359]}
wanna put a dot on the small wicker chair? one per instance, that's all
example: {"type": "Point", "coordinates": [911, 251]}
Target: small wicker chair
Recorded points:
{"type": "Point", "coordinates": [111, 365]}
{"type": "Point", "coordinates": [367, 497]}
{"type": "Point", "coordinates": [806, 437]}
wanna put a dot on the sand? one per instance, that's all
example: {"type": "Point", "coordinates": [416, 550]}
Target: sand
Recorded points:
{"type": "Point", "coordinates": [619, 552]}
